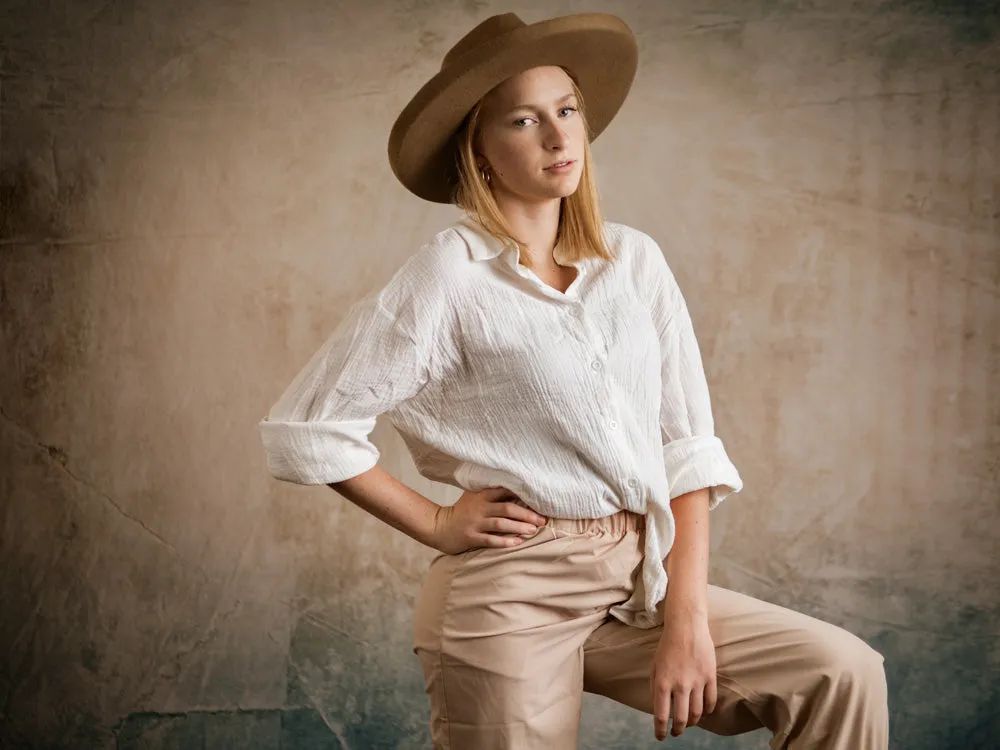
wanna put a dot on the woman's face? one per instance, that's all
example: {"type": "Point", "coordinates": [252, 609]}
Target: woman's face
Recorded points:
{"type": "Point", "coordinates": [528, 123]}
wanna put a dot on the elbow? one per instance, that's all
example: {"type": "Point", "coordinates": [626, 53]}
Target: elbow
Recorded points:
{"type": "Point", "coordinates": [700, 462]}
{"type": "Point", "coordinates": [318, 452]}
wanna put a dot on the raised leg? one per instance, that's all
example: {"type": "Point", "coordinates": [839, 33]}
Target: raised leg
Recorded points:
{"type": "Point", "coordinates": [813, 684]}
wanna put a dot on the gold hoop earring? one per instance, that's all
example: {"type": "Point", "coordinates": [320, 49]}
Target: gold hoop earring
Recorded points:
{"type": "Point", "coordinates": [485, 174]}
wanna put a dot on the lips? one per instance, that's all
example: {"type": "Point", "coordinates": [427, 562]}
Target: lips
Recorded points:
{"type": "Point", "coordinates": [561, 163]}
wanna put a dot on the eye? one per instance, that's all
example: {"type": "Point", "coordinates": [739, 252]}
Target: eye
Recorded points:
{"type": "Point", "coordinates": [517, 123]}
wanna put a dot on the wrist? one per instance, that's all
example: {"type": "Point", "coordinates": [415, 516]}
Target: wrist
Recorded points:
{"type": "Point", "coordinates": [687, 604]}
{"type": "Point", "coordinates": [437, 515]}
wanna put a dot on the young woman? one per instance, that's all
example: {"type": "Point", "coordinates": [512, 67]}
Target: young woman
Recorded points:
{"type": "Point", "coordinates": [543, 360]}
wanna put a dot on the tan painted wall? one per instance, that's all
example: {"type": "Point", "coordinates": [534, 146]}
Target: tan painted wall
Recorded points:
{"type": "Point", "coordinates": [193, 194]}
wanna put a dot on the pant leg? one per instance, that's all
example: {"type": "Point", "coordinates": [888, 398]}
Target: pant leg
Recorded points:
{"type": "Point", "coordinates": [813, 684]}
{"type": "Point", "coordinates": [500, 633]}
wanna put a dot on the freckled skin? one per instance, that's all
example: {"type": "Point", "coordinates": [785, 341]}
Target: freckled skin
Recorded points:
{"type": "Point", "coordinates": [516, 143]}
{"type": "Point", "coordinates": [519, 143]}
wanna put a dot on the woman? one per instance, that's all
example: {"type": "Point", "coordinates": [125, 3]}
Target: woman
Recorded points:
{"type": "Point", "coordinates": [543, 360]}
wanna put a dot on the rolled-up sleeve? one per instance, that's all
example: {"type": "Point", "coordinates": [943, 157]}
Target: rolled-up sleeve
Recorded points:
{"type": "Point", "coordinates": [694, 457]}
{"type": "Point", "coordinates": [377, 357]}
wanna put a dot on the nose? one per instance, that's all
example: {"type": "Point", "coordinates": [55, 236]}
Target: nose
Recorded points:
{"type": "Point", "coordinates": [556, 137]}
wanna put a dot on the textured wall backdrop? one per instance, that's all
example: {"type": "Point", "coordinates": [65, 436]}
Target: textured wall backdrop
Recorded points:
{"type": "Point", "coordinates": [194, 192]}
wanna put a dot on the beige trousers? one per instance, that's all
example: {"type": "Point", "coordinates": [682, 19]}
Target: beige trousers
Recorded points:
{"type": "Point", "coordinates": [509, 639]}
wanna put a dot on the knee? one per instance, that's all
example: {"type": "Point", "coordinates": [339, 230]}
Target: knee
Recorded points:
{"type": "Point", "coordinates": [845, 662]}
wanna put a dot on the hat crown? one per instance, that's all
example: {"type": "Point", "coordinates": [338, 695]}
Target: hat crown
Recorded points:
{"type": "Point", "coordinates": [489, 29]}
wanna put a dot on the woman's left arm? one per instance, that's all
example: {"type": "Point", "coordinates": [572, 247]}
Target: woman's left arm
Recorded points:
{"type": "Point", "coordinates": [683, 674]}
{"type": "Point", "coordinates": [700, 475]}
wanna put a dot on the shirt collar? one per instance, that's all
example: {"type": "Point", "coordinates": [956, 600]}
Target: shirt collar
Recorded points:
{"type": "Point", "coordinates": [483, 245]}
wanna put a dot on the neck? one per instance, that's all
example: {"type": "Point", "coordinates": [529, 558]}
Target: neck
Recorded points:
{"type": "Point", "coordinates": [535, 225]}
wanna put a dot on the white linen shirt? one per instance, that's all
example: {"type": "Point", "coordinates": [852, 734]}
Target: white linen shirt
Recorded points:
{"type": "Point", "coordinates": [581, 403]}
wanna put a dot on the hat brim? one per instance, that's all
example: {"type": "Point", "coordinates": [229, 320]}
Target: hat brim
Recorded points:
{"type": "Point", "coordinates": [597, 48]}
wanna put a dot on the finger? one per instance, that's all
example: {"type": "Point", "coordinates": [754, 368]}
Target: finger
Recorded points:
{"type": "Point", "coordinates": [503, 525]}
{"type": "Point", "coordinates": [498, 540]}
{"type": "Point", "coordinates": [661, 711]}
{"type": "Point", "coordinates": [696, 706]}
{"type": "Point", "coordinates": [520, 513]}
{"type": "Point", "coordinates": [711, 695]}
{"type": "Point", "coordinates": [680, 701]}
{"type": "Point", "coordinates": [516, 512]}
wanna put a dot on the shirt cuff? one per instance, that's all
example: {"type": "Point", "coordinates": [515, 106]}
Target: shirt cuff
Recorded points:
{"type": "Point", "coordinates": [695, 463]}
{"type": "Point", "coordinates": [318, 452]}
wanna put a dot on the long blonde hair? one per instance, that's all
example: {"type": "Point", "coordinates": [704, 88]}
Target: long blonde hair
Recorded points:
{"type": "Point", "coordinates": [580, 220]}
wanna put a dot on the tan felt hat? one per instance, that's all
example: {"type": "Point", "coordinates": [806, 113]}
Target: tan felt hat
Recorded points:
{"type": "Point", "coordinates": [597, 48]}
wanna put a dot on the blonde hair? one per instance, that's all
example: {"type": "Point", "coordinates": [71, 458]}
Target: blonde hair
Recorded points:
{"type": "Point", "coordinates": [580, 220]}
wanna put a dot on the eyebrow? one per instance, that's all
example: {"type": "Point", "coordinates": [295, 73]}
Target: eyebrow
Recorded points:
{"type": "Point", "coordinates": [561, 99]}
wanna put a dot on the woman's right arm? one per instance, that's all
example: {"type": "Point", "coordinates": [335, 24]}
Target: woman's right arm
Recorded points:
{"type": "Point", "coordinates": [478, 519]}
{"type": "Point", "coordinates": [319, 430]}
{"type": "Point", "coordinates": [391, 501]}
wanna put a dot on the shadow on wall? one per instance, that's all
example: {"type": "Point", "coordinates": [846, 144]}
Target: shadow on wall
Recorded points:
{"type": "Point", "coordinates": [973, 21]}
{"type": "Point", "coordinates": [285, 729]}
{"type": "Point", "coordinates": [39, 204]}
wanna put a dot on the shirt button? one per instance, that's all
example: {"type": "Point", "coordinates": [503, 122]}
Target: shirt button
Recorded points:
{"type": "Point", "coordinates": [632, 483]}
{"type": "Point", "coordinates": [596, 365]}
{"type": "Point", "coordinates": [613, 424]}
